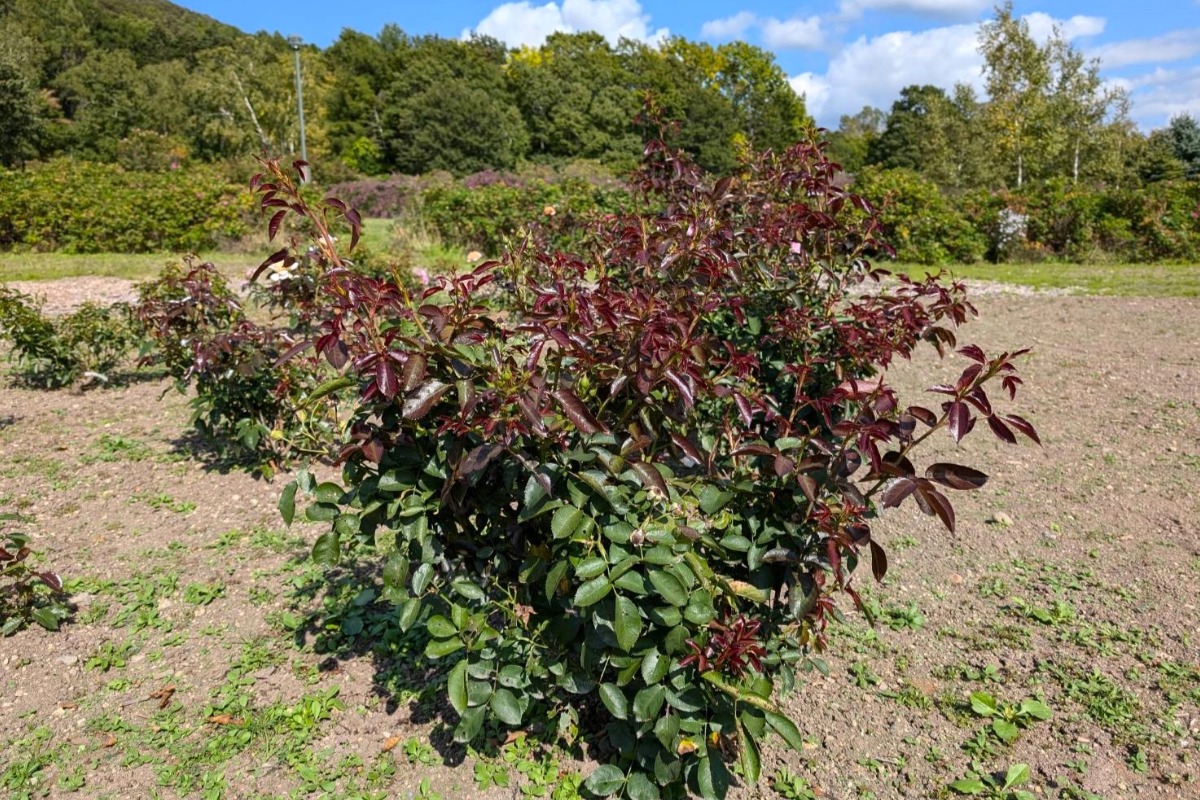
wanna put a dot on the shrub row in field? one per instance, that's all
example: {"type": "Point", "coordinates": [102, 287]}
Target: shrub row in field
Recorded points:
{"type": "Point", "coordinates": [79, 207]}
{"type": "Point", "coordinates": [1050, 221]}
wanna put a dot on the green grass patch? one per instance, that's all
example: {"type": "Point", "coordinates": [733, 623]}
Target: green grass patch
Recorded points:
{"type": "Point", "coordinates": [1126, 280]}
{"type": "Point", "coordinates": [135, 266]}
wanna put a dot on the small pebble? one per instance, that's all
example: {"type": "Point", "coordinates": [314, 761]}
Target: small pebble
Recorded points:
{"type": "Point", "coordinates": [1000, 518]}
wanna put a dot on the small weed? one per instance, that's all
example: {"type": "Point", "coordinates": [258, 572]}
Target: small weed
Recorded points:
{"type": "Point", "coordinates": [418, 752]}
{"type": "Point", "coordinates": [903, 617]}
{"type": "Point", "coordinates": [162, 500]}
{"type": "Point", "coordinates": [489, 774]}
{"type": "Point", "coordinates": [114, 447]}
{"type": "Point", "coordinates": [979, 783]}
{"type": "Point", "coordinates": [201, 594]}
{"type": "Point", "coordinates": [1009, 718]}
{"type": "Point", "coordinates": [111, 656]}
{"type": "Point", "coordinates": [863, 677]}
{"type": "Point", "coordinates": [791, 787]}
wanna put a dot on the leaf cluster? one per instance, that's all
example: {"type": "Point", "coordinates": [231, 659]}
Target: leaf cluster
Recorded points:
{"type": "Point", "coordinates": [27, 594]}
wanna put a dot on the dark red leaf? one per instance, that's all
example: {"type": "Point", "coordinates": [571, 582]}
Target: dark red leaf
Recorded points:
{"type": "Point", "coordinates": [274, 258]}
{"type": "Point", "coordinates": [978, 398]}
{"type": "Point", "coordinates": [784, 465]}
{"type": "Point", "coordinates": [1001, 430]}
{"type": "Point", "coordinates": [355, 227]}
{"type": "Point", "coordinates": [292, 352]}
{"type": "Point", "coordinates": [753, 450]}
{"type": "Point", "coordinates": [808, 486]}
{"type": "Point", "coordinates": [650, 477]}
{"type": "Point", "coordinates": [934, 503]}
{"type": "Point", "coordinates": [1022, 425]}
{"type": "Point", "coordinates": [373, 451]}
{"type": "Point", "coordinates": [897, 491]}
{"type": "Point", "coordinates": [879, 562]}
{"type": "Point", "coordinates": [478, 459]}
{"type": "Point", "coordinates": [968, 377]}
{"type": "Point", "coordinates": [959, 418]}
{"type": "Point", "coordinates": [689, 449]}
{"type": "Point", "coordinates": [276, 221]}
{"type": "Point", "coordinates": [974, 353]}
{"type": "Point", "coordinates": [303, 170]}
{"type": "Point", "coordinates": [743, 408]}
{"type": "Point", "coordinates": [923, 414]}
{"type": "Point", "coordinates": [414, 371]}
{"type": "Point", "coordinates": [385, 378]}
{"type": "Point", "coordinates": [52, 580]}
{"type": "Point", "coordinates": [419, 403]}
{"type": "Point", "coordinates": [580, 415]}
{"type": "Point", "coordinates": [955, 476]}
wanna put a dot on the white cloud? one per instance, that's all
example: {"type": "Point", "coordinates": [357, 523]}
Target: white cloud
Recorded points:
{"type": "Point", "coordinates": [872, 71]}
{"type": "Point", "coordinates": [1164, 93]}
{"type": "Point", "coordinates": [942, 9]}
{"type": "Point", "coordinates": [794, 33]}
{"type": "Point", "coordinates": [1041, 26]}
{"type": "Point", "coordinates": [1173, 46]}
{"type": "Point", "coordinates": [523, 23]}
{"type": "Point", "coordinates": [729, 27]}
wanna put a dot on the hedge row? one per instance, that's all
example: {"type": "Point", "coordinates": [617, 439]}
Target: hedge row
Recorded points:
{"type": "Point", "coordinates": [1050, 221]}
{"type": "Point", "coordinates": [77, 207]}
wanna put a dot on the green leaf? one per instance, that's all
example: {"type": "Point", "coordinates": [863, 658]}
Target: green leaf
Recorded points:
{"type": "Point", "coordinates": [409, 611]}
{"type": "Point", "coordinates": [668, 587]}
{"type": "Point", "coordinates": [712, 776]}
{"type": "Point", "coordinates": [614, 700]}
{"type": "Point", "coordinates": [665, 730]}
{"type": "Point", "coordinates": [321, 512]}
{"type": "Point", "coordinates": [749, 757]}
{"type": "Point", "coordinates": [456, 687]}
{"type": "Point", "coordinates": [287, 503]}
{"type": "Point", "coordinates": [968, 786]}
{"type": "Point", "coordinates": [1005, 730]}
{"type": "Point", "coordinates": [327, 550]}
{"type": "Point", "coordinates": [329, 492]}
{"type": "Point", "coordinates": [329, 387]}
{"type": "Point", "coordinates": [421, 578]}
{"type": "Point", "coordinates": [713, 499]}
{"type": "Point", "coordinates": [565, 521]}
{"type": "Point", "coordinates": [787, 729]}
{"type": "Point", "coordinates": [654, 667]}
{"type": "Point", "coordinates": [606, 780]}
{"type": "Point", "coordinates": [470, 725]}
{"type": "Point", "coordinates": [627, 624]}
{"type": "Point", "coordinates": [395, 571]}
{"type": "Point", "coordinates": [639, 787]}
{"type": "Point", "coordinates": [983, 704]}
{"type": "Point", "coordinates": [440, 628]}
{"type": "Point", "coordinates": [554, 578]}
{"type": "Point", "coordinates": [592, 592]}
{"type": "Point", "coordinates": [468, 590]}
{"type": "Point", "coordinates": [440, 648]}
{"type": "Point", "coordinates": [1017, 775]}
{"type": "Point", "coordinates": [45, 617]}
{"type": "Point", "coordinates": [590, 568]}
{"type": "Point", "coordinates": [648, 702]}
{"type": "Point", "coordinates": [1036, 709]}
{"type": "Point", "coordinates": [505, 706]}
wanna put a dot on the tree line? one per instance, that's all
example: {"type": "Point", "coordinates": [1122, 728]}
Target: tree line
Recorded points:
{"type": "Point", "coordinates": [150, 85]}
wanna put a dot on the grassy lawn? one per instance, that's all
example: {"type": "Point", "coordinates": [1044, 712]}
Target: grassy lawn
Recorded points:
{"type": "Point", "coordinates": [137, 266]}
{"type": "Point", "coordinates": [1131, 280]}
{"type": "Point", "coordinates": [1144, 280]}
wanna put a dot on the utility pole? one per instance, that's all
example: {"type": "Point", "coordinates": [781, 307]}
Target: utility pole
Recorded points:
{"type": "Point", "coordinates": [295, 41]}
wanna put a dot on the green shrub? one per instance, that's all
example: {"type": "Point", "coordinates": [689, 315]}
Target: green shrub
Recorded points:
{"type": "Point", "coordinates": [81, 207]}
{"type": "Point", "coordinates": [52, 353]}
{"type": "Point", "coordinates": [918, 221]}
{"type": "Point", "coordinates": [489, 217]}
{"type": "Point", "coordinates": [622, 488]}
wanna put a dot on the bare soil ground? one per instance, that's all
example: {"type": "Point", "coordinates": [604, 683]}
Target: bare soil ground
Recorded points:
{"type": "Point", "coordinates": [208, 659]}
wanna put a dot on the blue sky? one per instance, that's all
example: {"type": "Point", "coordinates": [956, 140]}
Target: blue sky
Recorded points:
{"type": "Point", "coordinates": [841, 54]}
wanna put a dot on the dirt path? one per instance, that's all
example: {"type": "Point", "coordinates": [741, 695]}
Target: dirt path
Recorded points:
{"type": "Point", "coordinates": [207, 660]}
